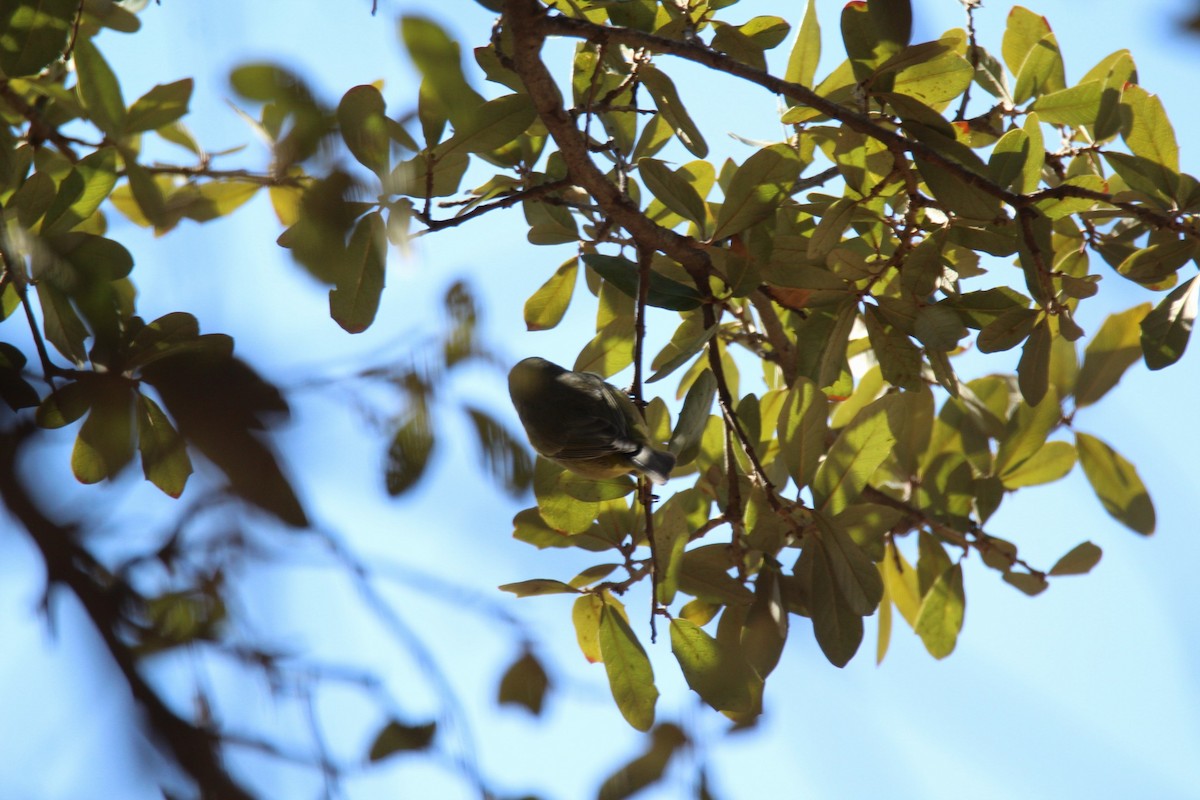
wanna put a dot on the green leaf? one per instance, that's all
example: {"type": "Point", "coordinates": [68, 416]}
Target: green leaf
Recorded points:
{"type": "Point", "coordinates": [536, 587]}
{"type": "Point", "coordinates": [802, 428]}
{"type": "Point", "coordinates": [806, 52]}
{"type": "Point", "coordinates": [1033, 370]}
{"type": "Point", "coordinates": [1026, 433]}
{"type": "Point", "coordinates": [756, 189]}
{"type": "Point", "coordinates": [99, 90]}
{"type": "Point", "coordinates": [1075, 106]}
{"type": "Point", "coordinates": [857, 452]}
{"type": "Point", "coordinates": [1114, 348]}
{"type": "Point", "coordinates": [648, 768]}
{"type": "Point", "coordinates": [355, 298]}
{"type": "Point", "coordinates": [713, 670]}
{"type": "Point", "coordinates": [623, 274]}
{"type": "Point", "coordinates": [959, 197]}
{"type": "Point", "coordinates": [496, 123]}
{"type": "Point", "coordinates": [941, 615]}
{"type": "Point", "coordinates": [585, 615]}
{"type": "Point", "coordinates": [666, 98]}
{"type": "Point", "coordinates": [704, 573]}
{"type": "Point", "coordinates": [693, 418]}
{"type": "Point", "coordinates": [64, 405]}
{"type": "Point", "coordinates": [838, 630]}
{"type": "Point", "coordinates": [1151, 137]}
{"type": "Point", "coordinates": [853, 572]}
{"type": "Point", "coordinates": [94, 176]}
{"type": "Point", "coordinates": [439, 60]}
{"type": "Point", "coordinates": [399, 737]}
{"type": "Point", "coordinates": [364, 128]}
{"type": "Point", "coordinates": [409, 451]}
{"type": "Point", "coordinates": [673, 190]}
{"type": "Point", "coordinates": [105, 441]}
{"type": "Point", "coordinates": [61, 324]}
{"type": "Point", "coordinates": [165, 461]}
{"type": "Point", "coordinates": [1007, 330]}
{"type": "Point", "coordinates": [1053, 461]}
{"type": "Point", "coordinates": [34, 33]}
{"type": "Point", "coordinates": [1166, 329]}
{"type": "Point", "coordinates": [1115, 481]}
{"type": "Point", "coordinates": [524, 684]}
{"type": "Point", "coordinates": [1079, 561]}
{"type": "Point", "coordinates": [1152, 265]}
{"type": "Point", "coordinates": [629, 673]}
{"type": "Point", "coordinates": [828, 233]}
{"type": "Point", "coordinates": [545, 308]}
{"type": "Point", "coordinates": [689, 339]}
{"type": "Point", "coordinates": [160, 106]}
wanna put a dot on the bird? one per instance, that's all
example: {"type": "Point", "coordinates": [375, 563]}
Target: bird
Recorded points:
{"type": "Point", "coordinates": [584, 424]}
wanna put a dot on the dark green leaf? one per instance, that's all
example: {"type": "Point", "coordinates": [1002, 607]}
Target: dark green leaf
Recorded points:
{"type": "Point", "coordinates": [1116, 483]}
{"type": "Point", "coordinates": [853, 572]}
{"type": "Point", "coordinates": [838, 629]}
{"type": "Point", "coordinates": [1033, 370]}
{"type": "Point", "coordinates": [623, 274]}
{"type": "Point", "coordinates": [364, 128]}
{"type": "Point", "coordinates": [524, 684]}
{"type": "Point", "coordinates": [646, 769]}
{"type": "Point", "coordinates": [494, 124]}
{"type": "Point", "coordinates": [689, 428]}
{"type": "Point", "coordinates": [1079, 561]}
{"type": "Point", "coordinates": [409, 451]}
{"type": "Point", "coordinates": [355, 298]}
{"type": "Point", "coordinates": [439, 60]}
{"type": "Point", "coordinates": [34, 33]}
{"type": "Point", "coordinates": [1166, 329]}
{"type": "Point", "coordinates": [504, 457]}
{"type": "Point", "coordinates": [399, 737]}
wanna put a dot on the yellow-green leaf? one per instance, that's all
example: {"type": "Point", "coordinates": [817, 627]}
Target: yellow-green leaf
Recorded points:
{"type": "Point", "coordinates": [662, 90]}
{"type": "Point", "coordinates": [1053, 461]}
{"type": "Point", "coordinates": [630, 676]}
{"type": "Point", "coordinates": [165, 460]}
{"type": "Point", "coordinates": [1114, 348]}
{"type": "Point", "coordinates": [713, 670]}
{"type": "Point", "coordinates": [857, 452]}
{"type": "Point", "coordinates": [756, 189]}
{"type": "Point", "coordinates": [99, 90]}
{"type": "Point", "coordinates": [941, 615]}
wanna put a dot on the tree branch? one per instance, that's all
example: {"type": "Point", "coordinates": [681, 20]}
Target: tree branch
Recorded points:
{"type": "Point", "coordinates": [195, 750]}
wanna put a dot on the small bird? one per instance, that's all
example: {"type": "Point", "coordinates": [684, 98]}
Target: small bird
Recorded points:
{"type": "Point", "coordinates": [583, 424]}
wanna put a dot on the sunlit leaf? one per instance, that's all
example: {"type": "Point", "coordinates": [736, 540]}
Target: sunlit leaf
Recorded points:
{"type": "Point", "coordinates": [160, 106]}
{"type": "Point", "coordinates": [662, 90]}
{"type": "Point", "coordinates": [1114, 348]}
{"type": "Point", "coordinates": [941, 615]}
{"type": "Point", "coordinates": [165, 460]}
{"type": "Point", "coordinates": [99, 90]}
{"type": "Point", "coordinates": [629, 674]}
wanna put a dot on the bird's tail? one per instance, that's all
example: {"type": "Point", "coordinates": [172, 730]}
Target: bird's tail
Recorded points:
{"type": "Point", "coordinates": [656, 464]}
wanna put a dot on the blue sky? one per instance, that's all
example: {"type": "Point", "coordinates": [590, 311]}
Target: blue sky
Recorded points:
{"type": "Point", "coordinates": [1088, 690]}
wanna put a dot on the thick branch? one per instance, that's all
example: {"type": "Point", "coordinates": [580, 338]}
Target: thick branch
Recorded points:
{"type": "Point", "coordinates": [529, 24]}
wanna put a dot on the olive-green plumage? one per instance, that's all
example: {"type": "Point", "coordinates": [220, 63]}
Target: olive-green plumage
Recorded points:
{"type": "Point", "coordinates": [583, 424]}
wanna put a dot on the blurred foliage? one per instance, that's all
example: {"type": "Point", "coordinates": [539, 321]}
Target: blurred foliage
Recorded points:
{"type": "Point", "coordinates": [845, 262]}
